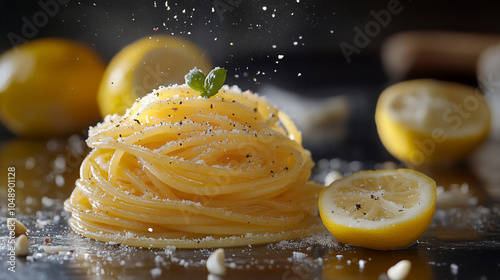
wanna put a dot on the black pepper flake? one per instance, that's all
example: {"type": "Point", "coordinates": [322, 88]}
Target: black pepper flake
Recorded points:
{"type": "Point", "coordinates": [286, 168]}
{"type": "Point", "coordinates": [180, 103]}
{"type": "Point", "coordinates": [211, 106]}
{"type": "Point", "coordinates": [175, 109]}
{"type": "Point", "coordinates": [119, 135]}
{"type": "Point", "coordinates": [400, 210]}
{"type": "Point", "coordinates": [358, 206]}
{"type": "Point", "coordinates": [248, 155]}
{"type": "Point", "coordinates": [136, 120]}
{"type": "Point", "coordinates": [255, 110]}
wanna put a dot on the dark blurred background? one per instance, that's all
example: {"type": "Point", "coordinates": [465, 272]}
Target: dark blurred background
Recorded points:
{"type": "Point", "coordinates": [246, 38]}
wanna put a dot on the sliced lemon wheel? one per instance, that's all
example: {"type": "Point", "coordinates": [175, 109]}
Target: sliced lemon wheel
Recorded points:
{"type": "Point", "coordinates": [383, 210]}
{"type": "Point", "coordinates": [426, 121]}
{"type": "Point", "coordinates": [145, 65]}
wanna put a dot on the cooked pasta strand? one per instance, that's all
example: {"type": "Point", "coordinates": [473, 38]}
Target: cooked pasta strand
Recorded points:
{"type": "Point", "coordinates": [185, 171]}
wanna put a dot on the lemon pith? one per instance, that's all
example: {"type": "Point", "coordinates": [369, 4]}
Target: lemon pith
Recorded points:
{"type": "Point", "coordinates": [429, 121]}
{"type": "Point", "coordinates": [379, 209]}
{"type": "Point", "coordinates": [145, 65]}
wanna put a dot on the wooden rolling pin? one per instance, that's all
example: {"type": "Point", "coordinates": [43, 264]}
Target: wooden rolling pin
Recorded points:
{"type": "Point", "coordinates": [433, 54]}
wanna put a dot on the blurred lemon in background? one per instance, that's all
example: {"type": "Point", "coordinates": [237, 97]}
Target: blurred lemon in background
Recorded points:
{"type": "Point", "coordinates": [427, 121]}
{"type": "Point", "coordinates": [48, 87]}
{"type": "Point", "coordinates": [145, 65]}
{"type": "Point", "coordinates": [382, 210]}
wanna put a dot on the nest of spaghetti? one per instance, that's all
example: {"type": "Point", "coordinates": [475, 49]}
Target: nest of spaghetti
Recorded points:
{"type": "Point", "coordinates": [185, 171]}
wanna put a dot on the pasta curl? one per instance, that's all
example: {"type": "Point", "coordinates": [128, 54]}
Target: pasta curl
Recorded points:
{"type": "Point", "coordinates": [185, 171]}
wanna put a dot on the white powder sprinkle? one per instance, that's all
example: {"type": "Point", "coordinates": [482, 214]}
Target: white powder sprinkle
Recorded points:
{"type": "Point", "coordinates": [361, 264]}
{"type": "Point", "coordinates": [156, 272]}
{"type": "Point", "coordinates": [299, 256]}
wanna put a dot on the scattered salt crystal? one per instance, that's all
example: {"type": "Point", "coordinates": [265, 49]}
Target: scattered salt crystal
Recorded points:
{"type": "Point", "coordinates": [60, 180]}
{"type": "Point", "coordinates": [170, 248]}
{"type": "Point", "coordinates": [339, 257]}
{"type": "Point", "coordinates": [55, 249]}
{"type": "Point", "coordinates": [156, 272]}
{"type": "Point", "coordinates": [355, 165]}
{"type": "Point", "coordinates": [43, 223]}
{"type": "Point", "coordinates": [454, 269]}
{"type": "Point", "coordinates": [400, 270]}
{"type": "Point", "coordinates": [280, 56]}
{"type": "Point", "coordinates": [60, 164]}
{"type": "Point", "coordinates": [159, 259]}
{"type": "Point", "coordinates": [299, 255]}
{"type": "Point", "coordinates": [215, 263]}
{"type": "Point", "coordinates": [30, 163]}
{"type": "Point", "coordinates": [232, 265]}
{"type": "Point", "coordinates": [47, 202]}
{"type": "Point", "coordinates": [361, 264]}
{"type": "Point", "coordinates": [122, 262]}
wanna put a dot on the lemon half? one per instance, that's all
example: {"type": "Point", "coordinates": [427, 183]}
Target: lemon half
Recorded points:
{"type": "Point", "coordinates": [145, 65]}
{"type": "Point", "coordinates": [383, 210]}
{"type": "Point", "coordinates": [427, 121]}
